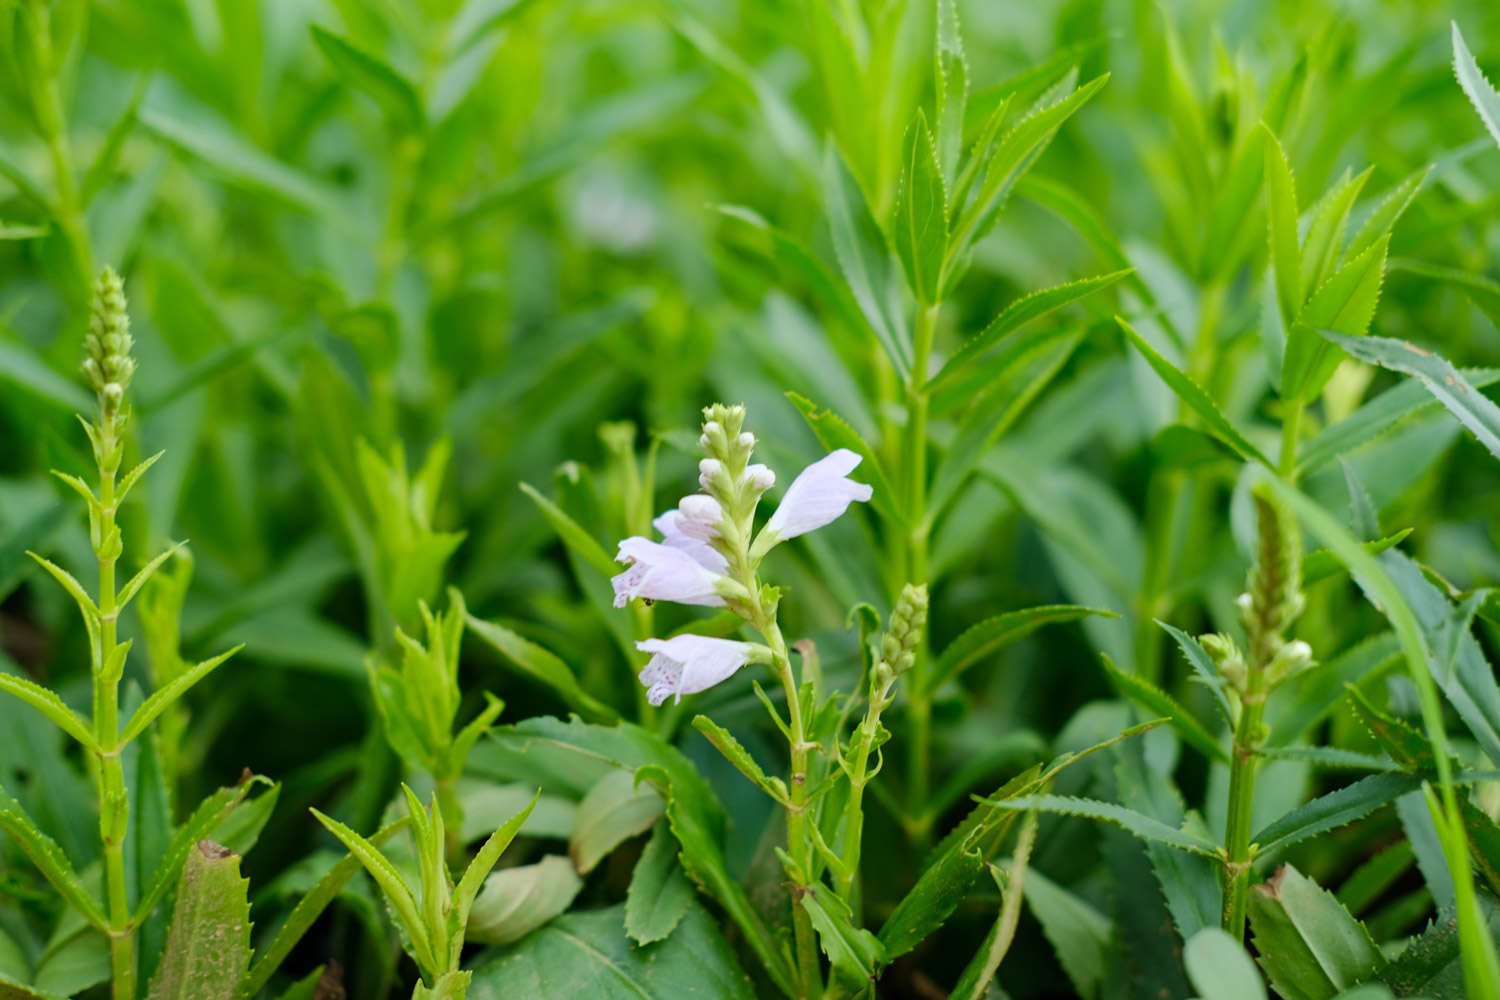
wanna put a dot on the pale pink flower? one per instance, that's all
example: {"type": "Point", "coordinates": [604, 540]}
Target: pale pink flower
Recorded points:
{"type": "Point", "coordinates": [668, 573]}
{"type": "Point", "coordinates": [819, 495]}
{"type": "Point", "coordinates": [687, 664]}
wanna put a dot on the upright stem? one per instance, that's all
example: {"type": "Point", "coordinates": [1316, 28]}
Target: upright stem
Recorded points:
{"type": "Point", "coordinates": [52, 122]}
{"type": "Point", "coordinates": [799, 844]}
{"type": "Point", "coordinates": [1291, 429]}
{"type": "Point", "coordinates": [919, 708]}
{"type": "Point", "coordinates": [1241, 799]}
{"type": "Point", "coordinates": [114, 806]}
{"type": "Point", "coordinates": [854, 813]}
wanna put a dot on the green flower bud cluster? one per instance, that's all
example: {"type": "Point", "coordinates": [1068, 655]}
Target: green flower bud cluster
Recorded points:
{"type": "Point", "coordinates": [898, 647]}
{"type": "Point", "coordinates": [108, 364]}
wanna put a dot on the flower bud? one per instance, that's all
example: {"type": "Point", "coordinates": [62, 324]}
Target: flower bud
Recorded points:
{"type": "Point", "coordinates": [108, 365]}
{"type": "Point", "coordinates": [709, 470]}
{"type": "Point", "coordinates": [760, 478]}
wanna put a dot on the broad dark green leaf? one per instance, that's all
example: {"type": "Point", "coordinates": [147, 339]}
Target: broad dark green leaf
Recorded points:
{"type": "Point", "coordinates": [1079, 933]}
{"type": "Point", "coordinates": [516, 901]}
{"type": "Point", "coordinates": [612, 812]}
{"type": "Point", "coordinates": [589, 954]}
{"type": "Point", "coordinates": [659, 894]}
{"type": "Point", "coordinates": [1309, 945]}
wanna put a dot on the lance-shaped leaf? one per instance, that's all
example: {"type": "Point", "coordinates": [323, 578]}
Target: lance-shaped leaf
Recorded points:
{"type": "Point", "coordinates": [1482, 95]}
{"type": "Point", "coordinates": [1325, 230]}
{"type": "Point", "coordinates": [542, 664]}
{"type": "Point", "coordinates": [574, 535]}
{"type": "Point", "coordinates": [48, 858]}
{"type": "Point", "coordinates": [208, 946]}
{"type": "Point", "coordinates": [1345, 303]}
{"type": "Point", "coordinates": [1015, 316]}
{"type": "Point", "coordinates": [1309, 945]}
{"type": "Point", "coordinates": [391, 885]}
{"type": "Point", "coordinates": [467, 890]}
{"type": "Point", "coordinates": [307, 911]}
{"type": "Point", "coordinates": [855, 954]}
{"type": "Point", "coordinates": [1140, 824]}
{"type": "Point", "coordinates": [919, 220]}
{"type": "Point", "coordinates": [979, 641]}
{"type": "Point", "coordinates": [1446, 384]}
{"type": "Point", "coordinates": [980, 972]}
{"type": "Point", "coordinates": [211, 812]}
{"type": "Point", "coordinates": [50, 705]}
{"type": "Point", "coordinates": [368, 73]}
{"type": "Point", "coordinates": [1078, 932]}
{"type": "Point", "coordinates": [834, 432]}
{"type": "Point", "coordinates": [1191, 393]}
{"type": "Point", "coordinates": [163, 698]}
{"type": "Point", "coordinates": [1203, 666]}
{"type": "Point", "coordinates": [724, 742]}
{"type": "Point", "coordinates": [1281, 217]}
{"type": "Point", "coordinates": [1148, 695]}
{"type": "Point", "coordinates": [1336, 809]}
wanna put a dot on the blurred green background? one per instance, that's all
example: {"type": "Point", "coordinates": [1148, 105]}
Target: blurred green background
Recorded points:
{"type": "Point", "coordinates": [509, 231]}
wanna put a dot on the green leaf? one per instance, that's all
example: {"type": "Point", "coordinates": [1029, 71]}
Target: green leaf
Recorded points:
{"type": "Point", "coordinates": [659, 894]}
{"type": "Point", "coordinates": [1148, 695]}
{"type": "Point", "coordinates": [307, 911]}
{"type": "Point", "coordinates": [980, 640]}
{"type": "Point", "coordinates": [833, 432]}
{"type": "Point", "coordinates": [574, 535]}
{"type": "Point", "coordinates": [1191, 393]}
{"type": "Point", "coordinates": [208, 946]}
{"type": "Point", "coordinates": [1484, 97]}
{"type": "Point", "coordinates": [574, 756]}
{"type": "Point", "coordinates": [855, 954]}
{"type": "Point", "coordinates": [1345, 303]}
{"type": "Point", "coordinates": [1431, 965]}
{"type": "Point", "coordinates": [1016, 315]}
{"type": "Point", "coordinates": [863, 258]}
{"type": "Point", "coordinates": [614, 810]}
{"type": "Point", "coordinates": [392, 886]}
{"type": "Point", "coordinates": [1203, 665]}
{"type": "Point", "coordinates": [1016, 151]}
{"type": "Point", "coordinates": [475, 876]}
{"type": "Point", "coordinates": [724, 742]}
{"type": "Point", "coordinates": [1336, 809]}
{"type": "Point", "coordinates": [542, 664]}
{"type": "Point", "coordinates": [365, 72]}
{"type": "Point", "coordinates": [979, 974]}
{"type": "Point", "coordinates": [952, 88]}
{"type": "Point", "coordinates": [919, 220]}
{"type": "Point", "coordinates": [164, 697]}
{"type": "Point", "coordinates": [1220, 969]}
{"type": "Point", "coordinates": [1385, 215]}
{"type": "Point", "coordinates": [1141, 825]}
{"type": "Point", "coordinates": [205, 819]}
{"type": "Point", "coordinates": [1325, 230]}
{"type": "Point", "coordinates": [1446, 384]}
{"type": "Point", "coordinates": [1309, 945]}
{"type": "Point", "coordinates": [1281, 215]}
{"type": "Point", "coordinates": [516, 901]}
{"type": "Point", "coordinates": [51, 706]}
{"type": "Point", "coordinates": [48, 858]}
{"type": "Point", "coordinates": [589, 955]}
{"type": "Point", "coordinates": [20, 365]}
{"type": "Point", "coordinates": [1079, 933]}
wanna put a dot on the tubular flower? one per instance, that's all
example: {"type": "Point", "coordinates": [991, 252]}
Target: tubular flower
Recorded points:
{"type": "Point", "coordinates": [660, 572]}
{"type": "Point", "coordinates": [819, 495]}
{"type": "Point", "coordinates": [687, 664]}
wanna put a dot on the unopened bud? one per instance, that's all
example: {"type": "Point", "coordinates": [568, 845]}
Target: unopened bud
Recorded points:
{"type": "Point", "coordinates": [760, 478]}
{"type": "Point", "coordinates": [746, 440]}
{"type": "Point", "coordinates": [108, 343]}
{"type": "Point", "coordinates": [708, 470]}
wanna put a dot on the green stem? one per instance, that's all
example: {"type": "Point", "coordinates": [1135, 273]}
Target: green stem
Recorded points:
{"type": "Point", "coordinates": [799, 843]}
{"type": "Point", "coordinates": [854, 813]}
{"type": "Point", "coordinates": [114, 806]}
{"type": "Point", "coordinates": [1291, 429]}
{"type": "Point", "coordinates": [1241, 800]}
{"type": "Point", "coordinates": [919, 707]}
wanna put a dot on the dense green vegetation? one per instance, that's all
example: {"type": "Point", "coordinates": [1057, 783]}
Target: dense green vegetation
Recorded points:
{"type": "Point", "coordinates": [1128, 631]}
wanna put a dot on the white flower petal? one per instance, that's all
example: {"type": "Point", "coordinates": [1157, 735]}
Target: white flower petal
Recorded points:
{"type": "Point", "coordinates": [687, 664]}
{"type": "Point", "coordinates": [819, 495]}
{"type": "Point", "coordinates": [665, 573]}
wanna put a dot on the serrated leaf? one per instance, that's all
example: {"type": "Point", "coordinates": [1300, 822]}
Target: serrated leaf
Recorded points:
{"type": "Point", "coordinates": [1203, 665]}
{"type": "Point", "coordinates": [1191, 393]}
{"type": "Point", "coordinates": [1482, 95]}
{"type": "Point", "coordinates": [48, 858]}
{"type": "Point", "coordinates": [51, 706]}
{"type": "Point", "coordinates": [952, 88]}
{"type": "Point", "coordinates": [1336, 809]}
{"type": "Point", "coordinates": [855, 954]}
{"type": "Point", "coordinates": [516, 901]}
{"type": "Point", "coordinates": [919, 220]}
{"type": "Point", "coordinates": [1309, 945]}
{"type": "Point", "coordinates": [1016, 315]}
{"type": "Point", "coordinates": [1446, 384]}
{"type": "Point", "coordinates": [1281, 216]}
{"type": "Point", "coordinates": [1141, 825]}
{"type": "Point", "coordinates": [1345, 303]}
{"type": "Point", "coordinates": [478, 872]}
{"type": "Point", "coordinates": [1385, 215]}
{"type": "Point", "coordinates": [208, 945]}
{"type": "Point", "coordinates": [1325, 230]}
{"type": "Point", "coordinates": [392, 886]}
{"type": "Point", "coordinates": [724, 742]}
{"type": "Point", "coordinates": [199, 826]}
{"type": "Point", "coordinates": [366, 72]}
{"type": "Point", "coordinates": [659, 894]}
{"type": "Point", "coordinates": [162, 698]}
{"type": "Point", "coordinates": [1144, 693]}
